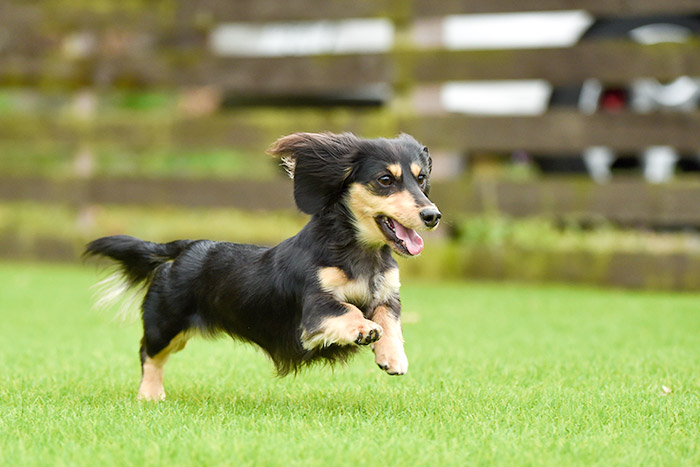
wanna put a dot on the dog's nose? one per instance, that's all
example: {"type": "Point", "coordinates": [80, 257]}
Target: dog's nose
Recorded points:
{"type": "Point", "coordinates": [430, 217]}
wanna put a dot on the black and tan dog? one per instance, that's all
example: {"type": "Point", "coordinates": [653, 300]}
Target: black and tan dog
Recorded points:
{"type": "Point", "coordinates": [315, 296]}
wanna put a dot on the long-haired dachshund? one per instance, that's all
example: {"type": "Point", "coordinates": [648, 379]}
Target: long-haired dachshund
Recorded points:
{"type": "Point", "coordinates": [315, 296]}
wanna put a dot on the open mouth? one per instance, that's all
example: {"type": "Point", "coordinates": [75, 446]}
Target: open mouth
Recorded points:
{"type": "Point", "coordinates": [405, 241]}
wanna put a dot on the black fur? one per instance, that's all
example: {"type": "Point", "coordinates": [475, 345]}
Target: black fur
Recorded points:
{"type": "Point", "coordinates": [269, 296]}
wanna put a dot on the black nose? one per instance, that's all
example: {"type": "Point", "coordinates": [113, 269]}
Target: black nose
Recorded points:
{"type": "Point", "coordinates": [430, 216]}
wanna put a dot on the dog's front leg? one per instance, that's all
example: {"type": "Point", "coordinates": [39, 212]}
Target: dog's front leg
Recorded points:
{"type": "Point", "coordinates": [326, 321]}
{"type": "Point", "coordinates": [388, 351]}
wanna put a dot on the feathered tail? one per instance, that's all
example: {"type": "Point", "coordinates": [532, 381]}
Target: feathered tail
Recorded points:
{"type": "Point", "coordinates": [136, 261]}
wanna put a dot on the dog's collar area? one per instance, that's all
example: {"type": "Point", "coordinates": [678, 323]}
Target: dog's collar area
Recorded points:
{"type": "Point", "coordinates": [405, 241]}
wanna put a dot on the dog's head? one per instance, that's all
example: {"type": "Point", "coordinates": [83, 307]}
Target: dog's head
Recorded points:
{"type": "Point", "coordinates": [383, 184]}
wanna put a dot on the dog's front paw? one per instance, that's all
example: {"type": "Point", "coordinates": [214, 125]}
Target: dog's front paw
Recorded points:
{"type": "Point", "coordinates": [390, 357]}
{"type": "Point", "coordinates": [368, 332]}
{"type": "Point", "coordinates": [351, 328]}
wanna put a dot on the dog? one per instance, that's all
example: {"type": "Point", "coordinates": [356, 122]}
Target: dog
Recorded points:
{"type": "Point", "coordinates": [314, 297]}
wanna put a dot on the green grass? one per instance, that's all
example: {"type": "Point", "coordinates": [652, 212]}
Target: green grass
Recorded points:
{"type": "Point", "coordinates": [499, 374]}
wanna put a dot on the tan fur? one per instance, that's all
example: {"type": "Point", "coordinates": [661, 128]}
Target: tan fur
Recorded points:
{"type": "Point", "coordinates": [289, 163]}
{"type": "Point", "coordinates": [151, 388]}
{"type": "Point", "coordinates": [395, 170]}
{"type": "Point", "coordinates": [285, 147]}
{"type": "Point", "coordinates": [365, 206]}
{"type": "Point", "coordinates": [388, 351]}
{"type": "Point", "coordinates": [415, 169]}
{"type": "Point", "coordinates": [335, 282]}
{"type": "Point", "coordinates": [343, 329]}
{"type": "Point", "coordinates": [388, 286]}
{"type": "Point", "coordinates": [332, 278]}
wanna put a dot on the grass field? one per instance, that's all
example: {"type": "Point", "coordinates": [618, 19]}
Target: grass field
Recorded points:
{"type": "Point", "coordinates": [499, 374]}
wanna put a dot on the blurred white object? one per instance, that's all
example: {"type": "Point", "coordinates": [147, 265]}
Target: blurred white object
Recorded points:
{"type": "Point", "coordinates": [79, 44]}
{"type": "Point", "coordinates": [523, 97]}
{"type": "Point", "coordinates": [515, 30]}
{"type": "Point", "coordinates": [591, 89]}
{"type": "Point", "coordinates": [509, 31]}
{"type": "Point", "coordinates": [681, 94]}
{"type": "Point", "coordinates": [658, 33]}
{"type": "Point", "coordinates": [659, 163]}
{"type": "Point", "coordinates": [598, 160]}
{"type": "Point", "coordinates": [307, 38]}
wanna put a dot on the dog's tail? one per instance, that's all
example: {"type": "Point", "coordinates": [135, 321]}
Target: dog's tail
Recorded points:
{"type": "Point", "coordinates": [136, 261]}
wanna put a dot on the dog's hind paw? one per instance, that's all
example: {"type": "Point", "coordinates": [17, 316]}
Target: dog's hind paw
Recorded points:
{"type": "Point", "coordinates": [151, 394]}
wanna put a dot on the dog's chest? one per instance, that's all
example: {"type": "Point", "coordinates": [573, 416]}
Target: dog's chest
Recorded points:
{"type": "Point", "coordinates": [364, 291]}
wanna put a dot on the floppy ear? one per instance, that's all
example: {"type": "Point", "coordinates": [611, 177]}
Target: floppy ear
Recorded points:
{"type": "Point", "coordinates": [319, 163]}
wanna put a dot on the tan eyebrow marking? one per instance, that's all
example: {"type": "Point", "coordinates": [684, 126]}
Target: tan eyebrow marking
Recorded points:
{"type": "Point", "coordinates": [416, 169]}
{"type": "Point", "coordinates": [395, 170]}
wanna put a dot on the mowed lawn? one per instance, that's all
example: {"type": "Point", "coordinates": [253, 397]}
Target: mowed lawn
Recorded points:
{"type": "Point", "coordinates": [499, 374]}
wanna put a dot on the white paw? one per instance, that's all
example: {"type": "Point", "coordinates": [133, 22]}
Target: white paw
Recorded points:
{"type": "Point", "coordinates": [391, 357]}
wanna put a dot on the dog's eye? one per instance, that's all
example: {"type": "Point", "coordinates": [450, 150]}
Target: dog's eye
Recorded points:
{"type": "Point", "coordinates": [385, 180]}
{"type": "Point", "coordinates": [421, 179]}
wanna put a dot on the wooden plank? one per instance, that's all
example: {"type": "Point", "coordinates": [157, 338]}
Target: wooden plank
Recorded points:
{"type": "Point", "coordinates": [610, 61]}
{"type": "Point", "coordinates": [558, 131]}
{"type": "Point", "coordinates": [627, 201]}
{"type": "Point", "coordinates": [328, 73]}
{"type": "Point", "coordinates": [56, 16]}
{"type": "Point", "coordinates": [239, 194]}
{"type": "Point", "coordinates": [251, 129]}
{"type": "Point", "coordinates": [242, 75]}
{"type": "Point", "coordinates": [211, 11]}
{"type": "Point", "coordinates": [595, 7]}
{"type": "Point", "coordinates": [61, 15]}
{"type": "Point", "coordinates": [635, 270]}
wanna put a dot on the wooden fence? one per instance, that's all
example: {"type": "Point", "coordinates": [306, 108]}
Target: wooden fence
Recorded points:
{"type": "Point", "coordinates": [58, 48]}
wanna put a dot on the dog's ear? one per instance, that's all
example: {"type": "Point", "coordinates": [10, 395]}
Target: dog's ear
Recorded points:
{"type": "Point", "coordinates": [319, 163]}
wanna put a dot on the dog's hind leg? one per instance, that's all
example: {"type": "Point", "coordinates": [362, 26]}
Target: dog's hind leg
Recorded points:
{"type": "Point", "coordinates": [165, 332]}
{"type": "Point", "coordinates": [151, 388]}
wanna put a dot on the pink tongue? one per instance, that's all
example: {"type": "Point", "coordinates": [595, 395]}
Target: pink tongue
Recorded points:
{"type": "Point", "coordinates": [413, 241]}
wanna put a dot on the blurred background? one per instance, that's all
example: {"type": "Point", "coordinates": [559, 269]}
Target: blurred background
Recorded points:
{"type": "Point", "coordinates": [565, 135]}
